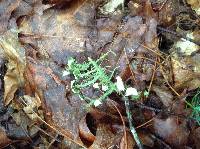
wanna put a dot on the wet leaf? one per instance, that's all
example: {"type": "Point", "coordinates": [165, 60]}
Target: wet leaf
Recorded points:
{"type": "Point", "coordinates": [111, 6]}
{"type": "Point", "coordinates": [6, 7]}
{"type": "Point", "coordinates": [15, 54]}
{"type": "Point", "coordinates": [195, 4]}
{"type": "Point", "coordinates": [85, 132]}
{"type": "Point", "coordinates": [31, 107]}
{"type": "Point", "coordinates": [29, 8]}
{"type": "Point", "coordinates": [172, 132]}
{"type": "Point", "coordinates": [164, 93]}
{"type": "Point", "coordinates": [129, 140]}
{"type": "Point", "coordinates": [105, 137]}
{"type": "Point", "coordinates": [61, 111]}
{"type": "Point", "coordinates": [187, 47]}
{"type": "Point", "coordinates": [4, 140]}
{"type": "Point", "coordinates": [59, 33]}
{"type": "Point", "coordinates": [20, 126]}
{"type": "Point", "coordinates": [195, 137]}
{"type": "Point", "coordinates": [186, 71]}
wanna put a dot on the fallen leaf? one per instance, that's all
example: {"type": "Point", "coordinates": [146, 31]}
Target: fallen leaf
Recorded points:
{"type": "Point", "coordinates": [166, 10]}
{"type": "Point", "coordinates": [129, 140]}
{"type": "Point", "coordinates": [164, 93]}
{"type": "Point", "coordinates": [60, 34]}
{"type": "Point", "coordinates": [195, 4]}
{"type": "Point", "coordinates": [31, 107]}
{"type": "Point", "coordinates": [111, 6]}
{"type": "Point", "coordinates": [6, 7]}
{"type": "Point", "coordinates": [195, 136]}
{"type": "Point", "coordinates": [186, 71]}
{"type": "Point", "coordinates": [4, 140]}
{"type": "Point", "coordinates": [105, 137]}
{"type": "Point", "coordinates": [85, 134]}
{"type": "Point", "coordinates": [173, 133]}
{"type": "Point", "coordinates": [186, 47]}
{"type": "Point", "coordinates": [15, 54]}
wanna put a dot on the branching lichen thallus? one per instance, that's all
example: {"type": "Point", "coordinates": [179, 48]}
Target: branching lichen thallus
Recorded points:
{"type": "Point", "coordinates": [87, 74]}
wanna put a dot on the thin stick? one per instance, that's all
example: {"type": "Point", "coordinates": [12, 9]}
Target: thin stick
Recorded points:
{"type": "Point", "coordinates": [153, 75]}
{"type": "Point", "coordinates": [145, 123]}
{"type": "Point", "coordinates": [169, 84]}
{"type": "Point", "coordinates": [123, 122]}
{"type": "Point", "coordinates": [132, 128]}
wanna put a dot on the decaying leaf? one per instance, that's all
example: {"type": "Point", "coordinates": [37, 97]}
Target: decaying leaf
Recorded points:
{"type": "Point", "coordinates": [172, 132]}
{"type": "Point", "coordinates": [6, 8]}
{"type": "Point", "coordinates": [129, 143]}
{"type": "Point", "coordinates": [4, 140]}
{"type": "Point", "coordinates": [32, 104]}
{"type": "Point", "coordinates": [195, 137]}
{"type": "Point", "coordinates": [15, 54]}
{"type": "Point", "coordinates": [187, 47]}
{"type": "Point", "coordinates": [111, 6]}
{"type": "Point", "coordinates": [186, 71]}
{"type": "Point", "coordinates": [195, 4]}
{"type": "Point", "coordinates": [24, 126]}
{"type": "Point", "coordinates": [144, 136]}
{"type": "Point", "coordinates": [185, 62]}
{"type": "Point", "coordinates": [67, 32]}
{"type": "Point", "coordinates": [106, 138]}
{"type": "Point", "coordinates": [164, 94]}
{"type": "Point", "coordinates": [85, 132]}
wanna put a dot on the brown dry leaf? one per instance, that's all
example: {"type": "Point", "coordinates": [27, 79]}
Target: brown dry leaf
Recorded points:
{"type": "Point", "coordinates": [32, 105]}
{"type": "Point", "coordinates": [173, 133]}
{"type": "Point", "coordinates": [195, 4]}
{"type": "Point", "coordinates": [106, 137]}
{"type": "Point", "coordinates": [186, 71]}
{"type": "Point", "coordinates": [195, 137]}
{"type": "Point", "coordinates": [185, 62]}
{"type": "Point", "coordinates": [144, 136]}
{"type": "Point", "coordinates": [60, 33]}
{"type": "Point", "coordinates": [6, 7]}
{"type": "Point", "coordinates": [56, 1]}
{"type": "Point", "coordinates": [130, 141]}
{"type": "Point", "coordinates": [23, 129]}
{"type": "Point", "coordinates": [61, 112]}
{"type": "Point", "coordinates": [29, 8]}
{"type": "Point", "coordinates": [164, 93]}
{"type": "Point", "coordinates": [4, 140]}
{"type": "Point", "coordinates": [166, 10]}
{"type": "Point", "coordinates": [15, 54]}
{"type": "Point", "coordinates": [85, 132]}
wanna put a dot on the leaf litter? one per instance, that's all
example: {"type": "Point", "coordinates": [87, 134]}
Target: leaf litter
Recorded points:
{"type": "Point", "coordinates": [156, 55]}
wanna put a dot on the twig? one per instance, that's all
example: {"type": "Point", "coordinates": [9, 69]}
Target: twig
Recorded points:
{"type": "Point", "coordinates": [123, 122]}
{"type": "Point", "coordinates": [54, 139]}
{"type": "Point", "coordinates": [169, 83]}
{"type": "Point", "coordinates": [178, 35]}
{"type": "Point", "coordinates": [161, 141]}
{"type": "Point", "coordinates": [132, 128]}
{"type": "Point", "coordinates": [153, 75]}
{"type": "Point", "coordinates": [145, 123]}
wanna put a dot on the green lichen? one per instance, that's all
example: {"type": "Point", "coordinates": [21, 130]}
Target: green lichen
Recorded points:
{"type": "Point", "coordinates": [87, 74]}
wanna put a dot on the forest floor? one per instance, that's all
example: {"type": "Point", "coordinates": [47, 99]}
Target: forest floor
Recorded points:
{"type": "Point", "coordinates": [100, 74]}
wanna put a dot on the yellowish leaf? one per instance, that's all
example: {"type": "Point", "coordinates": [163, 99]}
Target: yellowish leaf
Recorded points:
{"type": "Point", "coordinates": [15, 54]}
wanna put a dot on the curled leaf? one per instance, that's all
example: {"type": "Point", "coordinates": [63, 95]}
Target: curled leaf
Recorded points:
{"type": "Point", "coordinates": [15, 55]}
